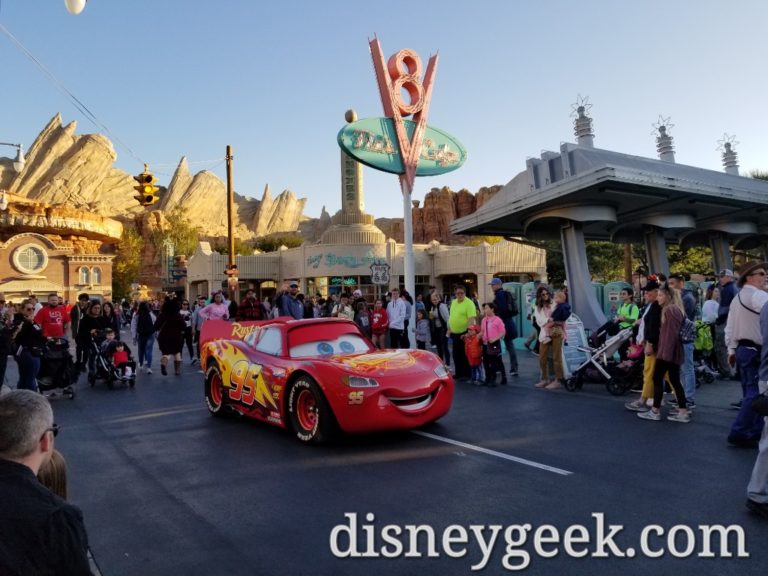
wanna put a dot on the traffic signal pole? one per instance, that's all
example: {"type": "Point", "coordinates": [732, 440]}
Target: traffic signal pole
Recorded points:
{"type": "Point", "coordinates": [232, 279]}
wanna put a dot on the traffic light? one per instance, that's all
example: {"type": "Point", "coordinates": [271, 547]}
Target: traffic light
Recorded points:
{"type": "Point", "coordinates": [146, 187]}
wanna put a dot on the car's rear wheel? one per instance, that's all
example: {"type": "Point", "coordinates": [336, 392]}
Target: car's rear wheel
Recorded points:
{"type": "Point", "coordinates": [308, 411]}
{"type": "Point", "coordinates": [214, 391]}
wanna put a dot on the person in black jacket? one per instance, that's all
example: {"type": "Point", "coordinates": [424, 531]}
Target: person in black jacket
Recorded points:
{"type": "Point", "coordinates": [91, 324]}
{"type": "Point", "coordinates": [29, 339]}
{"type": "Point", "coordinates": [40, 533]}
{"type": "Point", "coordinates": [77, 312]}
{"type": "Point", "coordinates": [649, 329]}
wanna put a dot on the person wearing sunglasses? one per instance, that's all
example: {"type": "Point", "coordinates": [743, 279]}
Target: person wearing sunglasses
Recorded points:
{"type": "Point", "coordinates": [30, 341]}
{"type": "Point", "coordinates": [40, 533]}
{"type": "Point", "coordinates": [744, 340]}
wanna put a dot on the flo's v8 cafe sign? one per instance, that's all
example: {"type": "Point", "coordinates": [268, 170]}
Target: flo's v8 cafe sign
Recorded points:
{"type": "Point", "coordinates": [373, 142]}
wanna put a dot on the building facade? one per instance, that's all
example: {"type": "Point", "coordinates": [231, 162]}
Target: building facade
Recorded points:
{"type": "Point", "coordinates": [46, 249]}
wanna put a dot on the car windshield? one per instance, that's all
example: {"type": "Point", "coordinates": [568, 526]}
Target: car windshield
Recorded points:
{"type": "Point", "coordinates": [326, 339]}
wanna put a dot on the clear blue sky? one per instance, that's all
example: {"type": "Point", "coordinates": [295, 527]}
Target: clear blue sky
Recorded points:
{"type": "Point", "coordinates": [174, 78]}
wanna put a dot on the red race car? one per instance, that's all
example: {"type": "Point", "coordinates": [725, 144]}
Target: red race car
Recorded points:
{"type": "Point", "coordinates": [318, 375]}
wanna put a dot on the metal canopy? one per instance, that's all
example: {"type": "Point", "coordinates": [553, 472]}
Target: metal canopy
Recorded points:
{"type": "Point", "coordinates": [639, 191]}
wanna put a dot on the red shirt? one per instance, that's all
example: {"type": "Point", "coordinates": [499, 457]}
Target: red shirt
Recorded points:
{"type": "Point", "coordinates": [380, 321]}
{"type": "Point", "coordinates": [120, 357]}
{"type": "Point", "coordinates": [52, 321]}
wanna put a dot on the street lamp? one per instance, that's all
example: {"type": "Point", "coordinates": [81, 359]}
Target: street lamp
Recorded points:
{"type": "Point", "coordinates": [75, 6]}
{"type": "Point", "coordinates": [18, 164]}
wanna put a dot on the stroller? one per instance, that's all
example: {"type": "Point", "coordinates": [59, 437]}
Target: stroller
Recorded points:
{"type": "Point", "coordinates": [602, 368]}
{"type": "Point", "coordinates": [104, 368]}
{"type": "Point", "coordinates": [57, 368]}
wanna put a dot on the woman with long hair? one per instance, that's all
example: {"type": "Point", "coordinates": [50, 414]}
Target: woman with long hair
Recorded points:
{"type": "Point", "coordinates": [170, 328]}
{"type": "Point", "coordinates": [143, 333]}
{"type": "Point", "coordinates": [542, 311]}
{"type": "Point", "coordinates": [112, 318]}
{"type": "Point", "coordinates": [30, 341]}
{"type": "Point", "coordinates": [91, 324]}
{"type": "Point", "coordinates": [669, 357]}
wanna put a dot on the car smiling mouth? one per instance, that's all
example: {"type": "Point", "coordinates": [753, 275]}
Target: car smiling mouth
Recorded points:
{"type": "Point", "coordinates": [413, 403]}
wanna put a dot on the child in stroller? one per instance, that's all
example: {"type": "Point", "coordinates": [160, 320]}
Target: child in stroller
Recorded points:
{"type": "Point", "coordinates": [112, 365]}
{"type": "Point", "coordinates": [702, 354]}
{"type": "Point", "coordinates": [57, 368]}
{"type": "Point", "coordinates": [601, 367]}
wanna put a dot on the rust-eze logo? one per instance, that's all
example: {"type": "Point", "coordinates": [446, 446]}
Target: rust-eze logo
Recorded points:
{"type": "Point", "coordinates": [240, 331]}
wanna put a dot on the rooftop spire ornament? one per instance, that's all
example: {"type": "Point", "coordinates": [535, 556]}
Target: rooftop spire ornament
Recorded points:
{"type": "Point", "coordinates": [664, 145]}
{"type": "Point", "coordinates": [730, 158]}
{"type": "Point", "coordinates": [582, 125]}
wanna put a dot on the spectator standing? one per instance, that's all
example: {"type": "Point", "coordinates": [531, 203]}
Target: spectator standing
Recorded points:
{"type": "Point", "coordinates": [396, 311]}
{"type": "Point", "coordinates": [363, 318]}
{"type": "Point", "coordinates": [143, 333]}
{"type": "Point", "coordinates": [757, 489]}
{"type": "Point", "coordinates": [422, 329]}
{"type": "Point", "coordinates": [687, 374]}
{"type": "Point", "coordinates": [504, 306]}
{"type": "Point", "coordinates": [626, 315]}
{"type": "Point", "coordinates": [6, 333]}
{"type": "Point", "coordinates": [473, 350]}
{"type": "Point", "coordinates": [405, 337]}
{"type": "Point", "coordinates": [379, 325]}
{"type": "Point", "coordinates": [556, 337]}
{"type": "Point", "coordinates": [30, 341]}
{"type": "Point", "coordinates": [493, 330]}
{"type": "Point", "coordinates": [216, 310]}
{"type": "Point", "coordinates": [744, 340]}
{"type": "Point", "coordinates": [112, 318]}
{"type": "Point", "coordinates": [186, 315]}
{"type": "Point", "coordinates": [197, 324]}
{"type": "Point", "coordinates": [541, 314]}
{"type": "Point", "coordinates": [75, 315]}
{"type": "Point", "coordinates": [51, 318]}
{"type": "Point", "coordinates": [288, 304]}
{"type": "Point", "coordinates": [648, 336]}
{"type": "Point", "coordinates": [669, 357]}
{"type": "Point", "coordinates": [40, 533]}
{"type": "Point", "coordinates": [170, 335]}
{"type": "Point", "coordinates": [438, 316]}
{"type": "Point", "coordinates": [90, 326]}
{"type": "Point", "coordinates": [461, 315]}
{"type": "Point", "coordinates": [728, 292]}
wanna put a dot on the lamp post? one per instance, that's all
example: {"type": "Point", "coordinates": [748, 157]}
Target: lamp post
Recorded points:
{"type": "Point", "coordinates": [18, 164]}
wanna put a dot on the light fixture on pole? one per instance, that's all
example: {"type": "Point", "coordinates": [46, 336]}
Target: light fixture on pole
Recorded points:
{"type": "Point", "coordinates": [18, 164]}
{"type": "Point", "coordinates": [75, 6]}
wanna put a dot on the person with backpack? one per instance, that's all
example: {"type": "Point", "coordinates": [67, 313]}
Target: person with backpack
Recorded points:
{"type": "Point", "coordinates": [687, 373]}
{"type": "Point", "coordinates": [507, 310]}
{"type": "Point", "coordinates": [143, 332]}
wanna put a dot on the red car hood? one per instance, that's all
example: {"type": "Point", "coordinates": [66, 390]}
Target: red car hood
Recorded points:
{"type": "Point", "coordinates": [390, 365]}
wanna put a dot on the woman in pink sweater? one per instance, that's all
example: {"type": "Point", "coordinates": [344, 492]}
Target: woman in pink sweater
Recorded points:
{"type": "Point", "coordinates": [216, 310]}
{"type": "Point", "coordinates": [492, 331]}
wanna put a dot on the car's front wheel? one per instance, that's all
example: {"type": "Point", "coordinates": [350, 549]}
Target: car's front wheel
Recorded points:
{"type": "Point", "coordinates": [214, 391]}
{"type": "Point", "coordinates": [308, 411]}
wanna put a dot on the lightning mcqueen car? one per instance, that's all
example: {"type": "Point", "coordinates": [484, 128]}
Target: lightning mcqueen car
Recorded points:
{"type": "Point", "coordinates": [314, 376]}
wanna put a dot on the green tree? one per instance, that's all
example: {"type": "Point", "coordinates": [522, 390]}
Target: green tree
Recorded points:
{"type": "Point", "coordinates": [273, 242]}
{"type": "Point", "coordinates": [180, 232]}
{"type": "Point", "coordinates": [477, 240]}
{"type": "Point", "coordinates": [241, 248]}
{"type": "Point", "coordinates": [126, 265]}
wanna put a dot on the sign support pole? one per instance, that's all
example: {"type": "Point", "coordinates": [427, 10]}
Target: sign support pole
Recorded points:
{"type": "Point", "coordinates": [409, 268]}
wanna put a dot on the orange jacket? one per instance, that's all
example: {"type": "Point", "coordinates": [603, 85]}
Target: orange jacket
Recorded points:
{"type": "Point", "coordinates": [473, 349]}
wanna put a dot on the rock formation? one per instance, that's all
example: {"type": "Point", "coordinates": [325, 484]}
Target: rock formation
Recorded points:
{"type": "Point", "coordinates": [441, 206]}
{"type": "Point", "coordinates": [66, 169]}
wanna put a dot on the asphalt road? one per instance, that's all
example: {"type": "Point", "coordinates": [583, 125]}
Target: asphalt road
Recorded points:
{"type": "Point", "coordinates": [168, 489]}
